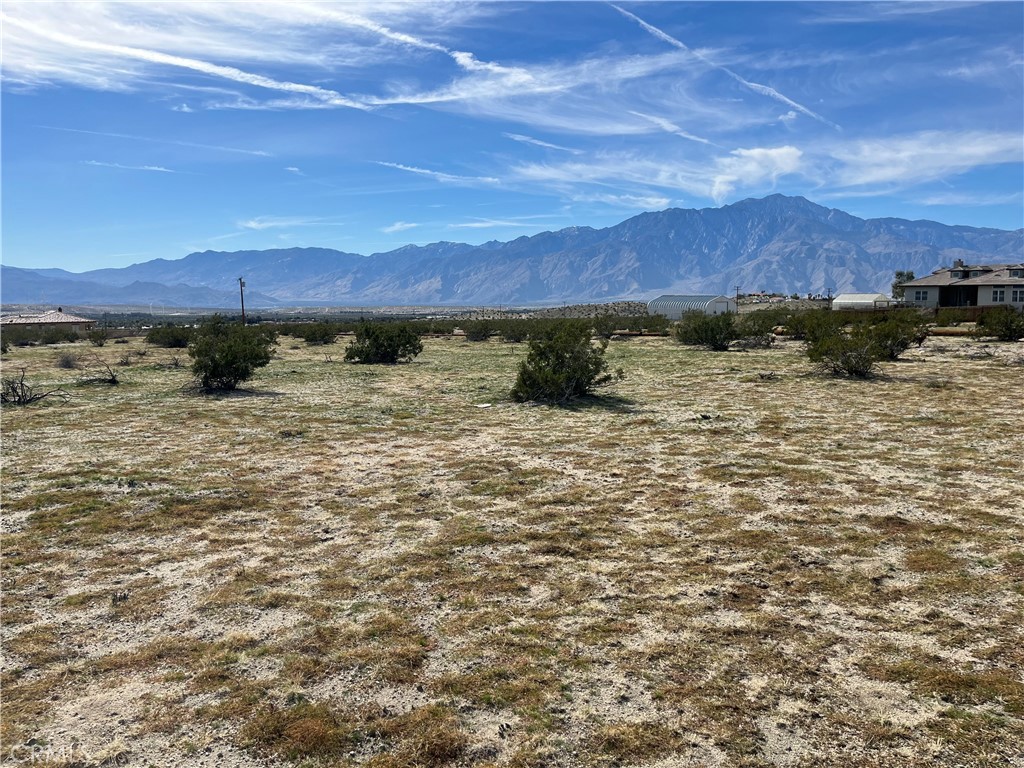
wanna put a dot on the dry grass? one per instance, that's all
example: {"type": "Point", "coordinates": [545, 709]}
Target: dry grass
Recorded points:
{"type": "Point", "coordinates": [354, 565]}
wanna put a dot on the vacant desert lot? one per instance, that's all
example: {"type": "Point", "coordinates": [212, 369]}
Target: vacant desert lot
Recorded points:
{"type": "Point", "coordinates": [365, 565]}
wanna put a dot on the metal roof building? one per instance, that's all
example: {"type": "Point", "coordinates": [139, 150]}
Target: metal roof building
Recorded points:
{"type": "Point", "coordinates": [674, 307]}
{"type": "Point", "coordinates": [861, 301]}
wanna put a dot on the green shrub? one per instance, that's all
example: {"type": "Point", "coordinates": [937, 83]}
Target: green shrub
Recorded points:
{"type": "Point", "coordinates": [761, 322]}
{"type": "Point", "coordinates": [5, 345]}
{"type": "Point", "coordinates": [854, 354]}
{"type": "Point", "coordinates": [712, 331]}
{"type": "Point", "coordinates": [757, 329]}
{"type": "Point", "coordinates": [315, 334]}
{"type": "Point", "coordinates": [170, 336]}
{"type": "Point", "coordinates": [98, 337]}
{"type": "Point", "coordinates": [1005, 323]}
{"type": "Point", "coordinates": [946, 318]}
{"type": "Point", "coordinates": [67, 360]}
{"type": "Point", "coordinates": [813, 325]}
{"type": "Point", "coordinates": [562, 364]}
{"type": "Point", "coordinates": [58, 336]}
{"type": "Point", "coordinates": [386, 343]}
{"type": "Point", "coordinates": [224, 355]}
{"type": "Point", "coordinates": [894, 335]}
{"type": "Point", "coordinates": [514, 331]}
{"type": "Point", "coordinates": [478, 330]}
{"type": "Point", "coordinates": [605, 326]}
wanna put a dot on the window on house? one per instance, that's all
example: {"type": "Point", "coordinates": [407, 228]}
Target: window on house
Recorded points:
{"type": "Point", "coordinates": [1017, 295]}
{"type": "Point", "coordinates": [975, 272]}
{"type": "Point", "coordinates": [920, 295]}
{"type": "Point", "coordinates": [998, 295]}
{"type": "Point", "coordinates": [1017, 273]}
{"type": "Point", "coordinates": [956, 275]}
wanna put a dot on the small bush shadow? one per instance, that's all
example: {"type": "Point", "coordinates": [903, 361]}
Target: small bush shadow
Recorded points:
{"type": "Point", "coordinates": [223, 394]}
{"type": "Point", "coordinates": [612, 403]}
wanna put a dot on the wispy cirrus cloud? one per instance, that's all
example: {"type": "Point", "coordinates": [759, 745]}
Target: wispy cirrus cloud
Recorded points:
{"type": "Point", "coordinates": [759, 88]}
{"type": "Point", "coordinates": [492, 224]}
{"type": "Point", "coordinates": [279, 222]}
{"type": "Point", "coordinates": [645, 202]}
{"type": "Point", "coordinates": [669, 127]}
{"type": "Point", "coordinates": [156, 168]}
{"type": "Point", "coordinates": [441, 176]}
{"type": "Point", "coordinates": [968, 199]}
{"type": "Point", "coordinates": [398, 226]}
{"type": "Point", "coordinates": [233, 74]}
{"type": "Point", "coordinates": [172, 142]}
{"type": "Point", "coordinates": [870, 13]}
{"type": "Point", "coordinates": [751, 167]}
{"type": "Point", "coordinates": [538, 143]}
{"type": "Point", "coordinates": [924, 156]}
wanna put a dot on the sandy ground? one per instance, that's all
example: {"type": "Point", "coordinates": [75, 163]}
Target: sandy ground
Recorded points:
{"type": "Point", "coordinates": [396, 566]}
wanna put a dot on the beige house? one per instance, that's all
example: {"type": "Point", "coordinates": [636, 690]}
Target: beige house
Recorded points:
{"type": "Point", "coordinates": [968, 285]}
{"type": "Point", "coordinates": [54, 319]}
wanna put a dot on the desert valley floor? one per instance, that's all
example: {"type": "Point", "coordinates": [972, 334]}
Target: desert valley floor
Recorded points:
{"type": "Point", "coordinates": [396, 566]}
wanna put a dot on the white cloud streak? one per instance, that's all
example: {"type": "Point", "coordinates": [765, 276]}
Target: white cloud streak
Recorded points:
{"type": "Point", "coordinates": [669, 127]}
{"type": "Point", "coordinates": [332, 98]}
{"type": "Point", "coordinates": [491, 224]}
{"type": "Point", "coordinates": [279, 222]}
{"type": "Point", "coordinates": [971, 200]}
{"type": "Point", "coordinates": [398, 226]}
{"type": "Point", "coordinates": [538, 143]}
{"type": "Point", "coordinates": [172, 142]}
{"type": "Point", "coordinates": [440, 176]}
{"type": "Point", "coordinates": [156, 168]}
{"type": "Point", "coordinates": [925, 156]}
{"type": "Point", "coordinates": [750, 167]}
{"type": "Point", "coordinates": [763, 90]}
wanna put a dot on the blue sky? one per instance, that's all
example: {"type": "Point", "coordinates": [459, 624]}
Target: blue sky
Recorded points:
{"type": "Point", "coordinates": [134, 131]}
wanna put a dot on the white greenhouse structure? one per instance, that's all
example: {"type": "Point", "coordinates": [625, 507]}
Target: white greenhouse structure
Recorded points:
{"type": "Point", "coordinates": [861, 301]}
{"type": "Point", "coordinates": [674, 307]}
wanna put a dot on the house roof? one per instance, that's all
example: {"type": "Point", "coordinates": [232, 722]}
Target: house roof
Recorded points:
{"type": "Point", "coordinates": [47, 318]}
{"type": "Point", "coordinates": [1000, 276]}
{"type": "Point", "coordinates": [992, 274]}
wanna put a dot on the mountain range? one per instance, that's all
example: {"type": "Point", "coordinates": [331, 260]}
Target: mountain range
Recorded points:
{"type": "Point", "coordinates": [777, 243]}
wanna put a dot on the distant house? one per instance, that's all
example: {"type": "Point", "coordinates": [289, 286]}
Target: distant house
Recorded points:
{"type": "Point", "coordinates": [674, 307]}
{"type": "Point", "coordinates": [968, 285]}
{"type": "Point", "coordinates": [54, 319]}
{"type": "Point", "coordinates": [861, 301]}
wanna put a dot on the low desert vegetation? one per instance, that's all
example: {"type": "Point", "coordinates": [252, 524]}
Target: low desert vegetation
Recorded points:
{"type": "Point", "coordinates": [170, 336]}
{"type": "Point", "coordinates": [98, 336]}
{"type": "Point", "coordinates": [715, 332]}
{"type": "Point", "coordinates": [732, 562]}
{"type": "Point", "coordinates": [226, 354]}
{"type": "Point", "coordinates": [562, 364]}
{"type": "Point", "coordinates": [384, 343]}
{"type": "Point", "coordinates": [1002, 323]}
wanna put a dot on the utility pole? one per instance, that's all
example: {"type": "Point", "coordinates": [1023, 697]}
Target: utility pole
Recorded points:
{"type": "Point", "coordinates": [241, 295]}
{"type": "Point", "coordinates": [737, 298]}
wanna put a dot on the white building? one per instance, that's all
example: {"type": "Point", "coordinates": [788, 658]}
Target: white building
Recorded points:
{"type": "Point", "coordinates": [861, 301]}
{"type": "Point", "coordinates": [674, 307]}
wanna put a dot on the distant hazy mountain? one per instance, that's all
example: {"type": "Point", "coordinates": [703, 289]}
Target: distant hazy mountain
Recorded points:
{"type": "Point", "coordinates": [777, 243]}
{"type": "Point", "coordinates": [25, 286]}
